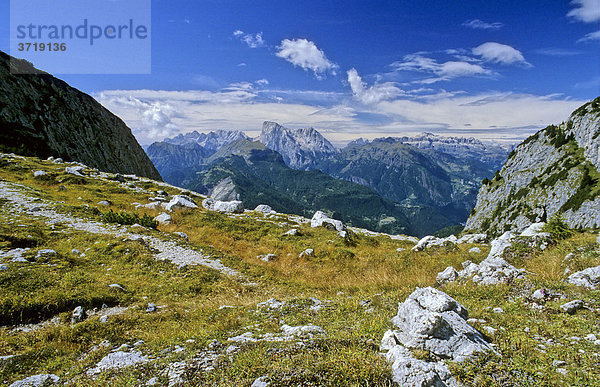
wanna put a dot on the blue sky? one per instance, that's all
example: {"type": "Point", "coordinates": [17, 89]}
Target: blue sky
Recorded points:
{"type": "Point", "coordinates": [490, 69]}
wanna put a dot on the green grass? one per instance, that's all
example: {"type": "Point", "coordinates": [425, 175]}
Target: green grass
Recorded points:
{"type": "Point", "coordinates": [360, 282]}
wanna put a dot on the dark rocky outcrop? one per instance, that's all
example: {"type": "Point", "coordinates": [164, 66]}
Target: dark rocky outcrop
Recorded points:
{"type": "Point", "coordinates": [43, 116]}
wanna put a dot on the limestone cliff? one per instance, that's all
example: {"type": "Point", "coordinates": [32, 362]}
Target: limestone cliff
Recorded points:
{"type": "Point", "coordinates": [555, 171]}
{"type": "Point", "coordinates": [43, 116]}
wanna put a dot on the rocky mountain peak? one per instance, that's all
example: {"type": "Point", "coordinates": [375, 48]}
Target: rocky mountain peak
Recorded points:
{"type": "Point", "coordinates": [211, 141]}
{"type": "Point", "coordinates": [300, 148]}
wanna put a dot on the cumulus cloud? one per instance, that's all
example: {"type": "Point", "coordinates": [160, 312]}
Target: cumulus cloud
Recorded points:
{"type": "Point", "coordinates": [477, 24]}
{"type": "Point", "coordinates": [586, 11]}
{"type": "Point", "coordinates": [372, 94]}
{"type": "Point", "coordinates": [252, 40]}
{"type": "Point", "coordinates": [305, 54]}
{"type": "Point", "coordinates": [500, 53]}
{"type": "Point", "coordinates": [262, 82]}
{"type": "Point", "coordinates": [444, 71]}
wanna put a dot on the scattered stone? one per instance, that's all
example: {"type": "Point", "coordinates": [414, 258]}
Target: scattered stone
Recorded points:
{"type": "Point", "coordinates": [317, 304]}
{"type": "Point", "coordinates": [271, 303]}
{"type": "Point", "coordinates": [260, 382]}
{"type": "Point", "coordinates": [105, 203]}
{"type": "Point", "coordinates": [292, 232]}
{"type": "Point", "coordinates": [409, 371]}
{"type": "Point", "coordinates": [62, 188]}
{"type": "Point", "coordinates": [321, 219]}
{"type": "Point", "coordinates": [475, 250]}
{"type": "Point", "coordinates": [3, 267]}
{"type": "Point", "coordinates": [430, 241]}
{"type": "Point", "coordinates": [75, 252]}
{"type": "Point", "coordinates": [151, 307]}
{"type": "Point", "coordinates": [78, 315]}
{"type": "Point", "coordinates": [591, 337]}
{"type": "Point", "coordinates": [562, 371]}
{"type": "Point", "coordinates": [74, 170]}
{"type": "Point", "coordinates": [163, 218]}
{"type": "Point", "coordinates": [243, 338]}
{"type": "Point", "coordinates": [472, 238]}
{"type": "Point", "coordinates": [572, 307]}
{"type": "Point", "coordinates": [267, 258]}
{"type": "Point", "coordinates": [307, 253]}
{"type": "Point", "coordinates": [431, 320]}
{"type": "Point", "coordinates": [234, 206]}
{"type": "Point", "coordinates": [489, 330]}
{"type": "Point", "coordinates": [40, 380]}
{"type": "Point", "coordinates": [265, 209]}
{"type": "Point", "coordinates": [39, 173]}
{"type": "Point", "coordinates": [151, 206]}
{"type": "Point", "coordinates": [498, 310]}
{"type": "Point", "coordinates": [535, 229]}
{"type": "Point", "coordinates": [117, 360]}
{"type": "Point", "coordinates": [180, 202]}
{"type": "Point", "coordinates": [45, 253]}
{"type": "Point", "coordinates": [399, 249]}
{"type": "Point", "coordinates": [116, 286]}
{"type": "Point", "coordinates": [588, 278]}
{"type": "Point", "coordinates": [448, 275]}
{"type": "Point", "coordinates": [301, 330]}
{"type": "Point", "coordinates": [181, 234]}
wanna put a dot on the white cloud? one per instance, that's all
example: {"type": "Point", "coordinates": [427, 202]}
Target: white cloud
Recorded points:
{"type": "Point", "coordinates": [500, 53]}
{"type": "Point", "coordinates": [155, 114]}
{"type": "Point", "coordinates": [253, 41]}
{"type": "Point", "coordinates": [443, 71]}
{"type": "Point", "coordinates": [477, 24]}
{"type": "Point", "coordinates": [592, 36]}
{"type": "Point", "coordinates": [305, 54]}
{"type": "Point", "coordinates": [372, 94]}
{"type": "Point", "coordinates": [586, 11]}
{"type": "Point", "coordinates": [262, 82]}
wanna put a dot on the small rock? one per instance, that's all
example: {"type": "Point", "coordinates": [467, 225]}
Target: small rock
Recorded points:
{"type": "Point", "coordinates": [75, 252]}
{"type": "Point", "coordinates": [267, 258]}
{"type": "Point", "coordinates": [151, 307]}
{"type": "Point", "coordinates": [116, 286]}
{"type": "Point", "coordinates": [307, 253]}
{"type": "Point", "coordinates": [591, 337]}
{"type": "Point", "coordinates": [265, 209]}
{"type": "Point", "coordinates": [321, 219]}
{"type": "Point", "coordinates": [40, 380]}
{"type": "Point", "coordinates": [46, 253]}
{"type": "Point", "coordinates": [74, 170]}
{"type": "Point", "coordinates": [400, 249]}
{"type": "Point", "coordinates": [572, 307]}
{"type": "Point", "coordinates": [562, 371]}
{"type": "Point", "coordinates": [498, 310]}
{"type": "Point", "coordinates": [234, 206]}
{"type": "Point", "coordinates": [180, 202]}
{"type": "Point", "coordinates": [163, 218]}
{"type": "Point", "coordinates": [105, 203]}
{"type": "Point", "coordinates": [539, 295]}
{"type": "Point", "coordinates": [489, 330]}
{"type": "Point", "coordinates": [181, 234]}
{"type": "Point", "coordinates": [3, 267]}
{"type": "Point", "coordinates": [78, 315]}
{"type": "Point", "coordinates": [62, 188]}
{"type": "Point", "coordinates": [103, 319]}
{"type": "Point", "coordinates": [260, 382]}
{"type": "Point", "coordinates": [588, 278]}
{"type": "Point", "coordinates": [292, 232]}
{"type": "Point", "coordinates": [448, 275]}
{"type": "Point", "coordinates": [39, 173]}
{"type": "Point", "coordinates": [475, 250]}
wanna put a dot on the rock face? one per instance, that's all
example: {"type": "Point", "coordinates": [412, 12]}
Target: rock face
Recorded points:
{"type": "Point", "coordinates": [430, 320]}
{"type": "Point", "coordinates": [40, 380]}
{"type": "Point", "coordinates": [552, 172]}
{"type": "Point", "coordinates": [211, 141]}
{"type": "Point", "coordinates": [42, 116]}
{"type": "Point", "coordinates": [300, 148]}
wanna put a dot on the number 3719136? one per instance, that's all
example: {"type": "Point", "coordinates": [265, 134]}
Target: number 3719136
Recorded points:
{"type": "Point", "coordinates": [42, 46]}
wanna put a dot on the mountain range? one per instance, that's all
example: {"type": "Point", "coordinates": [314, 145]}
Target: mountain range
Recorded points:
{"type": "Point", "coordinates": [431, 177]}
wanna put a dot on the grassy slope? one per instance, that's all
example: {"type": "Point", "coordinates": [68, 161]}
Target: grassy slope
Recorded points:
{"type": "Point", "coordinates": [362, 282]}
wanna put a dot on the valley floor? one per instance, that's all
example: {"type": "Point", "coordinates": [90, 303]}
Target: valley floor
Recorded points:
{"type": "Point", "coordinates": [193, 303]}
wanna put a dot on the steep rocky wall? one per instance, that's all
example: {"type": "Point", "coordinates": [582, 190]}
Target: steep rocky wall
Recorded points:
{"type": "Point", "coordinates": [554, 171]}
{"type": "Point", "coordinates": [43, 116]}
